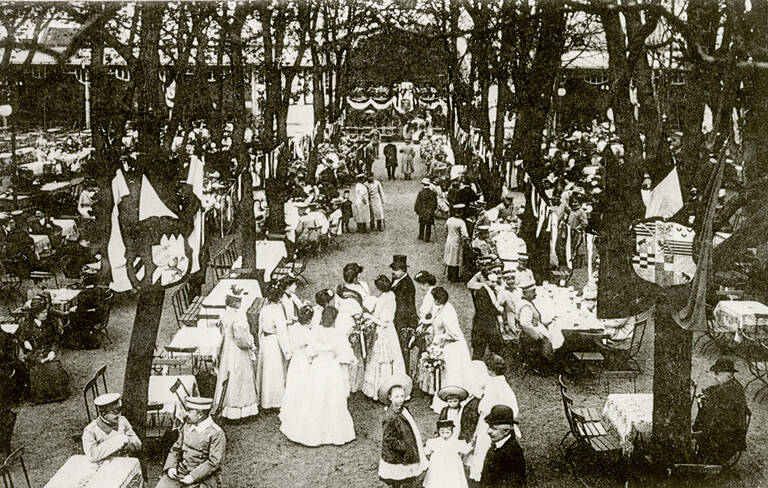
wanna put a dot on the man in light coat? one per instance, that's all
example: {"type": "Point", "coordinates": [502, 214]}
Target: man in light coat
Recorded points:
{"type": "Point", "coordinates": [110, 434]}
{"type": "Point", "coordinates": [362, 206]}
{"type": "Point", "coordinates": [376, 200]}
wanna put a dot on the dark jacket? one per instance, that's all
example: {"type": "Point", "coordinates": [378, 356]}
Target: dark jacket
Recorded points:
{"type": "Point", "coordinates": [405, 298]}
{"type": "Point", "coordinates": [426, 204]}
{"type": "Point", "coordinates": [390, 156]}
{"type": "Point", "coordinates": [398, 443]}
{"type": "Point", "coordinates": [722, 421]}
{"type": "Point", "coordinates": [468, 420]}
{"type": "Point", "coordinates": [484, 321]}
{"type": "Point", "coordinates": [504, 467]}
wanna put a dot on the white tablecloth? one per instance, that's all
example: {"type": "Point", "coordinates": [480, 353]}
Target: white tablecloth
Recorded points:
{"type": "Point", "coordinates": [42, 244]}
{"type": "Point", "coordinates": [160, 392]}
{"type": "Point", "coordinates": [36, 167]}
{"type": "Point", "coordinates": [63, 299]}
{"type": "Point", "coordinates": [734, 316]}
{"type": "Point", "coordinates": [68, 228]}
{"type": "Point", "coordinates": [268, 254]}
{"type": "Point", "coordinates": [78, 472]}
{"type": "Point", "coordinates": [216, 298]}
{"type": "Point", "coordinates": [560, 308]}
{"type": "Point", "coordinates": [631, 415]}
{"type": "Point", "coordinates": [206, 339]}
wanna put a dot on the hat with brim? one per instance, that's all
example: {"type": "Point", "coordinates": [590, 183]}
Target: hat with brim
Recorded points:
{"type": "Point", "coordinates": [723, 365]}
{"type": "Point", "coordinates": [399, 261]}
{"type": "Point", "coordinates": [106, 399]}
{"type": "Point", "coordinates": [401, 380]}
{"type": "Point", "coordinates": [199, 403]}
{"type": "Point", "coordinates": [426, 182]}
{"type": "Point", "coordinates": [500, 414]}
{"type": "Point", "coordinates": [526, 282]}
{"type": "Point", "coordinates": [452, 391]}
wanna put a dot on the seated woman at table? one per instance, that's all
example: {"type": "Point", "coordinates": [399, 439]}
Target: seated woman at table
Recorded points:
{"type": "Point", "coordinates": [40, 224]}
{"type": "Point", "coordinates": [237, 350]}
{"type": "Point", "coordinates": [535, 341]}
{"type": "Point", "coordinates": [48, 381]}
{"type": "Point", "coordinates": [110, 434]}
{"type": "Point", "coordinates": [89, 312]}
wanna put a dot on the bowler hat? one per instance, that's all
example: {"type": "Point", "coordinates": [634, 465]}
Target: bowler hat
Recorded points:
{"type": "Point", "coordinates": [723, 365]}
{"type": "Point", "coordinates": [500, 414]}
{"type": "Point", "coordinates": [399, 261]}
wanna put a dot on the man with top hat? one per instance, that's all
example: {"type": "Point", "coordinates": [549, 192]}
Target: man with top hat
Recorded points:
{"type": "Point", "coordinates": [402, 456]}
{"type": "Point", "coordinates": [196, 456]}
{"type": "Point", "coordinates": [110, 434]}
{"type": "Point", "coordinates": [406, 318]}
{"type": "Point", "coordinates": [504, 465]}
{"type": "Point", "coordinates": [362, 206]}
{"type": "Point", "coordinates": [720, 428]}
{"type": "Point", "coordinates": [425, 207]}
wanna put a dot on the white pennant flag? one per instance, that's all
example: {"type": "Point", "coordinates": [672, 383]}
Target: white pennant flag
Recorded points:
{"type": "Point", "coordinates": [150, 204]}
{"type": "Point", "coordinates": [706, 123]}
{"type": "Point", "coordinates": [116, 246]}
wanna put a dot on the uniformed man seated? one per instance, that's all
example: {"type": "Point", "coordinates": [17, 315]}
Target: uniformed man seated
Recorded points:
{"type": "Point", "coordinates": [720, 428]}
{"type": "Point", "coordinates": [110, 434]}
{"type": "Point", "coordinates": [196, 456]}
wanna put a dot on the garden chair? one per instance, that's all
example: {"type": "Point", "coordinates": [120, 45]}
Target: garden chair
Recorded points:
{"type": "Point", "coordinates": [10, 466]}
{"type": "Point", "coordinates": [591, 415]}
{"type": "Point", "coordinates": [218, 407]}
{"type": "Point", "coordinates": [92, 389]}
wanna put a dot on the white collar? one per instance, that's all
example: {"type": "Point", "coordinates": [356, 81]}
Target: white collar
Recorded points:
{"type": "Point", "coordinates": [208, 422]}
{"type": "Point", "coordinates": [398, 280]}
{"type": "Point", "coordinates": [503, 441]}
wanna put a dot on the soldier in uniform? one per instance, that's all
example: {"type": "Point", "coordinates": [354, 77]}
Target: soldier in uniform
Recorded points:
{"type": "Point", "coordinates": [196, 456]}
{"type": "Point", "coordinates": [720, 427]}
{"type": "Point", "coordinates": [110, 434]}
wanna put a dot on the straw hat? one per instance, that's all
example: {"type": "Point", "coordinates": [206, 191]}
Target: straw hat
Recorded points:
{"type": "Point", "coordinates": [400, 380]}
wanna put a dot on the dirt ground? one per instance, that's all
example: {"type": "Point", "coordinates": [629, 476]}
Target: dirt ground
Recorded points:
{"type": "Point", "coordinates": [258, 455]}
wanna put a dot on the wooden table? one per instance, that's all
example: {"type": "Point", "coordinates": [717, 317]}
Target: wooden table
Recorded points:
{"type": "Point", "coordinates": [631, 416]}
{"type": "Point", "coordinates": [205, 342]}
{"type": "Point", "coordinates": [79, 472]}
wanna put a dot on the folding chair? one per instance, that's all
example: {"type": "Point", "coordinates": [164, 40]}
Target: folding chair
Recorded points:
{"type": "Point", "coordinates": [219, 406]}
{"type": "Point", "coordinates": [91, 390]}
{"type": "Point", "coordinates": [8, 468]}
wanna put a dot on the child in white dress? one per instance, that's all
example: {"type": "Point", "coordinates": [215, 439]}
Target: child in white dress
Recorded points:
{"type": "Point", "coordinates": [446, 469]}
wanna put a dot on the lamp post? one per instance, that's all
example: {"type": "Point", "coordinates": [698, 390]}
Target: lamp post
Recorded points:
{"type": "Point", "coordinates": [6, 111]}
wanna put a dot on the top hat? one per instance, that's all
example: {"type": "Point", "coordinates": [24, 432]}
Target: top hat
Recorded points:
{"type": "Point", "coordinates": [500, 414]}
{"type": "Point", "coordinates": [723, 365]}
{"type": "Point", "coordinates": [399, 261]}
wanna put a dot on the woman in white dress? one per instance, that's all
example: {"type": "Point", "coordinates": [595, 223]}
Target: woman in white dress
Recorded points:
{"type": "Point", "coordinates": [274, 350]}
{"type": "Point", "coordinates": [448, 335]}
{"type": "Point", "coordinates": [456, 235]}
{"type": "Point", "coordinates": [240, 400]}
{"type": "Point", "coordinates": [352, 282]}
{"type": "Point", "coordinates": [425, 283]}
{"type": "Point", "coordinates": [497, 392]}
{"type": "Point", "coordinates": [323, 298]}
{"type": "Point", "coordinates": [325, 418]}
{"type": "Point", "coordinates": [296, 385]}
{"type": "Point", "coordinates": [290, 301]}
{"type": "Point", "coordinates": [346, 302]}
{"type": "Point", "coordinates": [385, 358]}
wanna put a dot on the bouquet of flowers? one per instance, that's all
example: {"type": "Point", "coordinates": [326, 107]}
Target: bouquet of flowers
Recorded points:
{"type": "Point", "coordinates": [362, 335]}
{"type": "Point", "coordinates": [430, 369]}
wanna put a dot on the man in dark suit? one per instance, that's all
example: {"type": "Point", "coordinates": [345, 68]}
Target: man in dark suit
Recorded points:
{"type": "Point", "coordinates": [425, 207]}
{"type": "Point", "coordinates": [504, 465]}
{"type": "Point", "coordinates": [390, 160]}
{"type": "Point", "coordinates": [485, 322]}
{"type": "Point", "coordinates": [406, 319]}
{"type": "Point", "coordinates": [720, 425]}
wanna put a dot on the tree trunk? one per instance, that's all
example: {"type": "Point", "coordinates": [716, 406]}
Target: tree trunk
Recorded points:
{"type": "Point", "coordinates": [138, 368]}
{"type": "Point", "coordinates": [671, 381]}
{"type": "Point", "coordinates": [149, 116]}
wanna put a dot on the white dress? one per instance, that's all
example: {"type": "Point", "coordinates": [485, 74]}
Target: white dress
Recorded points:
{"type": "Point", "coordinates": [296, 381]}
{"type": "Point", "coordinates": [497, 392]}
{"type": "Point", "coordinates": [325, 418]}
{"type": "Point", "coordinates": [241, 400]}
{"type": "Point", "coordinates": [348, 307]}
{"type": "Point", "coordinates": [456, 357]}
{"type": "Point", "coordinates": [362, 207]}
{"type": "Point", "coordinates": [385, 358]}
{"type": "Point", "coordinates": [274, 352]}
{"type": "Point", "coordinates": [445, 467]}
{"type": "Point", "coordinates": [456, 231]}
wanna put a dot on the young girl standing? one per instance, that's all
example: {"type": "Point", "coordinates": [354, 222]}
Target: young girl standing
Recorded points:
{"type": "Point", "coordinates": [446, 469]}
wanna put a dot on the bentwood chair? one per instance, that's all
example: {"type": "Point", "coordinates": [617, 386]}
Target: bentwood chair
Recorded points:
{"type": "Point", "coordinates": [92, 389]}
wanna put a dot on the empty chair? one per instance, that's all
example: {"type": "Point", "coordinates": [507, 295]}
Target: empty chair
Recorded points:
{"type": "Point", "coordinates": [96, 386]}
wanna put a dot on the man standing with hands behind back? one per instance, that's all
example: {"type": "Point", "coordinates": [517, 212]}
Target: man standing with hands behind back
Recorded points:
{"type": "Point", "coordinates": [425, 207]}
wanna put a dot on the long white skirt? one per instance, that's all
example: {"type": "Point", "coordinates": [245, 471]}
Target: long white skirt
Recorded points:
{"type": "Point", "coordinates": [271, 372]}
{"type": "Point", "coordinates": [294, 398]}
{"type": "Point", "coordinates": [456, 372]}
{"type": "Point", "coordinates": [384, 360]}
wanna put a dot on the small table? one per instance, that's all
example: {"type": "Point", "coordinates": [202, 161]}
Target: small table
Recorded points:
{"type": "Point", "coordinates": [217, 297]}
{"type": "Point", "coordinates": [63, 299]}
{"type": "Point", "coordinates": [734, 316]}
{"type": "Point", "coordinates": [42, 244]}
{"type": "Point", "coordinates": [268, 256]}
{"type": "Point", "coordinates": [631, 416]}
{"type": "Point", "coordinates": [204, 340]}
{"type": "Point", "coordinates": [68, 228]}
{"type": "Point", "coordinates": [79, 472]}
{"type": "Point", "coordinates": [160, 392]}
